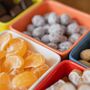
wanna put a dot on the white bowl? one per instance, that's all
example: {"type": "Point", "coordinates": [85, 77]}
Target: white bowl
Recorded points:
{"type": "Point", "coordinates": [52, 59]}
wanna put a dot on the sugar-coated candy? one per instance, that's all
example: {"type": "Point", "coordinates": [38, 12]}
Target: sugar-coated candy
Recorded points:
{"type": "Point", "coordinates": [84, 87]}
{"type": "Point", "coordinates": [53, 18]}
{"type": "Point", "coordinates": [75, 77]}
{"type": "Point", "coordinates": [53, 45]}
{"type": "Point", "coordinates": [86, 76]}
{"type": "Point", "coordinates": [45, 38]}
{"type": "Point", "coordinates": [56, 38]}
{"type": "Point", "coordinates": [46, 28]}
{"type": "Point", "coordinates": [74, 37]}
{"type": "Point", "coordinates": [65, 19]}
{"type": "Point", "coordinates": [65, 45]}
{"type": "Point", "coordinates": [73, 28]}
{"type": "Point", "coordinates": [30, 28]}
{"type": "Point", "coordinates": [67, 86]}
{"type": "Point", "coordinates": [38, 20]}
{"type": "Point", "coordinates": [57, 85]}
{"type": "Point", "coordinates": [56, 28]}
{"type": "Point", "coordinates": [38, 32]}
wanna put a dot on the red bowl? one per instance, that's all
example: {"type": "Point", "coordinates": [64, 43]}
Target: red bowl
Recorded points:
{"type": "Point", "coordinates": [62, 70]}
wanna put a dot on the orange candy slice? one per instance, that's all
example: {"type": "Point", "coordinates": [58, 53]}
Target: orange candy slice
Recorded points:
{"type": "Point", "coordinates": [2, 54]}
{"type": "Point", "coordinates": [4, 40]}
{"type": "Point", "coordinates": [17, 46]}
{"type": "Point", "coordinates": [13, 62]}
{"type": "Point", "coordinates": [34, 60]}
{"type": "Point", "coordinates": [39, 71]}
{"type": "Point", "coordinates": [28, 53]}
{"type": "Point", "coordinates": [25, 79]}
{"type": "Point", "coordinates": [4, 81]}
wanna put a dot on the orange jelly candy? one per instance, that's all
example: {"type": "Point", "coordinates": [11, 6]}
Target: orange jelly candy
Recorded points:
{"type": "Point", "coordinates": [22, 80]}
{"type": "Point", "coordinates": [13, 62]}
{"type": "Point", "coordinates": [4, 81]}
{"type": "Point", "coordinates": [17, 46]}
{"type": "Point", "coordinates": [4, 40]}
{"type": "Point", "coordinates": [34, 60]}
{"type": "Point", "coordinates": [39, 71]}
{"type": "Point", "coordinates": [2, 54]}
{"type": "Point", "coordinates": [28, 53]}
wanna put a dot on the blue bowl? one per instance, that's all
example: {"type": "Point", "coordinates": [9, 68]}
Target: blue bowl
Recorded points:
{"type": "Point", "coordinates": [82, 45]}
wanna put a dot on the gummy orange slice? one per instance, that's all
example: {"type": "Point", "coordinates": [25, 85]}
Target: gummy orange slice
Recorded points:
{"type": "Point", "coordinates": [25, 79]}
{"type": "Point", "coordinates": [17, 46]}
{"type": "Point", "coordinates": [4, 40]}
{"type": "Point", "coordinates": [34, 60]}
{"type": "Point", "coordinates": [2, 54]}
{"type": "Point", "coordinates": [4, 81]}
{"type": "Point", "coordinates": [39, 71]}
{"type": "Point", "coordinates": [13, 62]}
{"type": "Point", "coordinates": [28, 53]}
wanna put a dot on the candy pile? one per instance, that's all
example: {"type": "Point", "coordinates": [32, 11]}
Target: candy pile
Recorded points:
{"type": "Point", "coordinates": [20, 66]}
{"type": "Point", "coordinates": [85, 57]}
{"type": "Point", "coordinates": [10, 9]}
{"type": "Point", "coordinates": [59, 32]}
{"type": "Point", "coordinates": [76, 80]}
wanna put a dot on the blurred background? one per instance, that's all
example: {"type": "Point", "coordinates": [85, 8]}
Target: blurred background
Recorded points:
{"type": "Point", "coordinates": [83, 5]}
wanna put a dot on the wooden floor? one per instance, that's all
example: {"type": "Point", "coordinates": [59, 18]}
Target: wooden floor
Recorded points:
{"type": "Point", "coordinates": [83, 5]}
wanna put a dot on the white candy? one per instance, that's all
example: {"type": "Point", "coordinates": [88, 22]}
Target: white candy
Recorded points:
{"type": "Point", "coordinates": [74, 37]}
{"type": "Point", "coordinates": [53, 18]}
{"type": "Point", "coordinates": [73, 28]}
{"type": "Point", "coordinates": [74, 77]}
{"type": "Point", "coordinates": [86, 76]}
{"type": "Point", "coordinates": [38, 20]}
{"type": "Point", "coordinates": [57, 85]}
{"type": "Point", "coordinates": [67, 86]}
{"type": "Point", "coordinates": [56, 28]}
{"type": "Point", "coordinates": [84, 87]}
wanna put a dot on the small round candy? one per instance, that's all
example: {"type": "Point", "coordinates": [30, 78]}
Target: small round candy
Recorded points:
{"type": "Point", "coordinates": [86, 76]}
{"type": "Point", "coordinates": [45, 38]}
{"type": "Point", "coordinates": [56, 28]}
{"type": "Point", "coordinates": [30, 28]}
{"type": "Point", "coordinates": [46, 16]}
{"type": "Point", "coordinates": [53, 45]}
{"type": "Point", "coordinates": [85, 54]}
{"type": "Point", "coordinates": [56, 38]}
{"type": "Point", "coordinates": [65, 45]}
{"type": "Point", "coordinates": [46, 28]}
{"type": "Point", "coordinates": [84, 87]}
{"type": "Point", "coordinates": [65, 19]}
{"type": "Point", "coordinates": [73, 28]}
{"type": "Point", "coordinates": [38, 32]}
{"type": "Point", "coordinates": [38, 20]}
{"type": "Point", "coordinates": [53, 18]}
{"type": "Point", "coordinates": [74, 37]}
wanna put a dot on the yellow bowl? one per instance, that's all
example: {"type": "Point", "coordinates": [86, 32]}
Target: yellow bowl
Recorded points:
{"type": "Point", "coordinates": [5, 25]}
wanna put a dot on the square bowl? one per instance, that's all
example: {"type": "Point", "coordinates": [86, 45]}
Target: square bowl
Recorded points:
{"type": "Point", "coordinates": [5, 25]}
{"type": "Point", "coordinates": [82, 45]}
{"type": "Point", "coordinates": [45, 7]}
{"type": "Point", "coordinates": [63, 69]}
{"type": "Point", "coordinates": [52, 59]}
